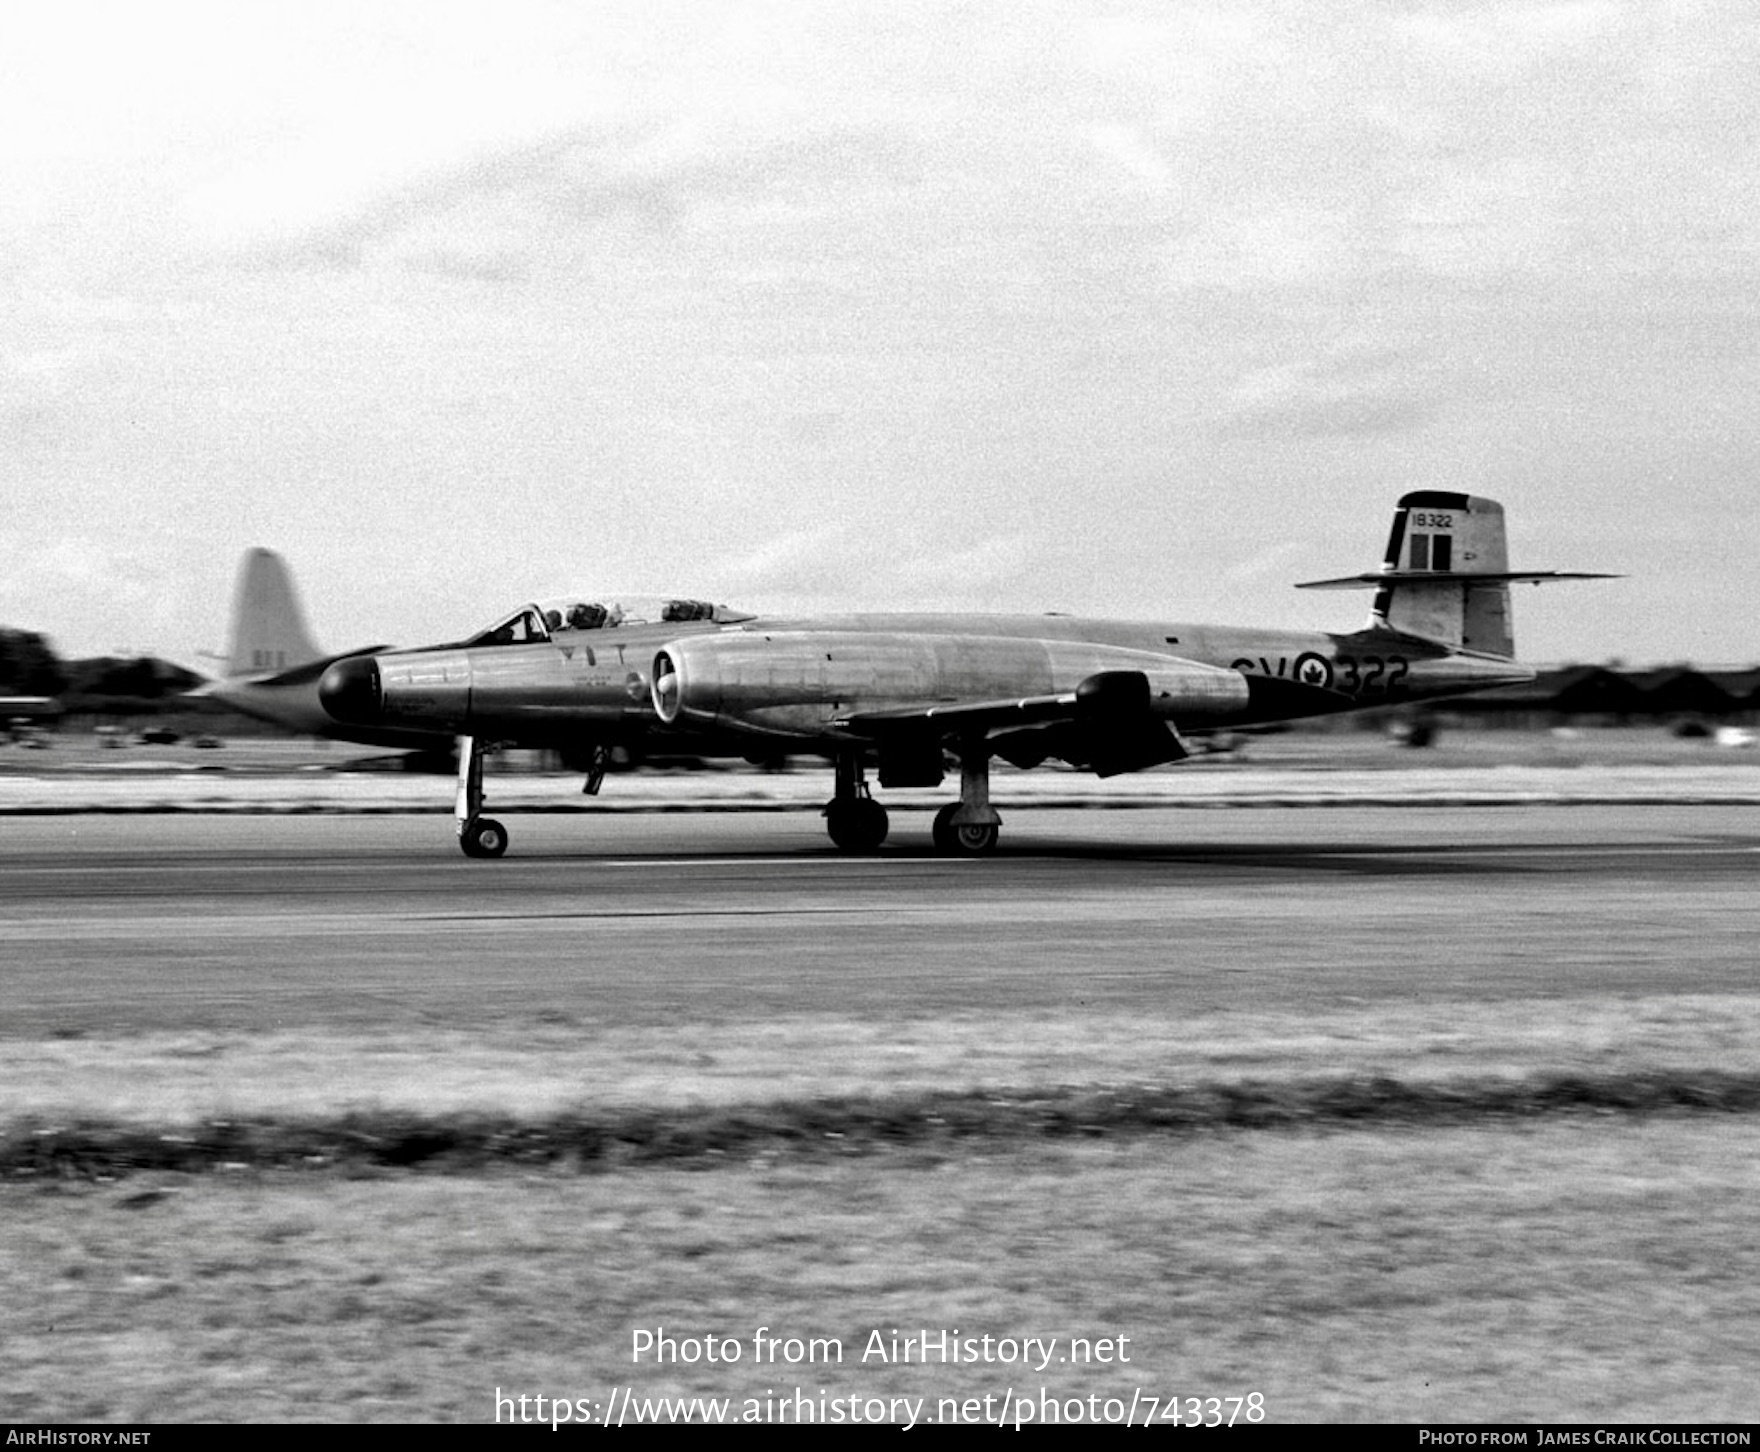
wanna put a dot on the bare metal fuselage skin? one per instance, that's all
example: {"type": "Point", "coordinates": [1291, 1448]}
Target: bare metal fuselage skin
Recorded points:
{"type": "Point", "coordinates": [290, 700]}
{"type": "Point", "coordinates": [545, 693]}
{"type": "Point", "coordinates": [800, 684]}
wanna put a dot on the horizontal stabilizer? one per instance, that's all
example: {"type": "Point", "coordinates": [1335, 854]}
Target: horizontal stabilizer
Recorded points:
{"type": "Point", "coordinates": [1415, 577]}
{"type": "Point", "coordinates": [1445, 577]}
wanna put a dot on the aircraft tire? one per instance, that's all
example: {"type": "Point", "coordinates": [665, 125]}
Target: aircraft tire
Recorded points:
{"type": "Point", "coordinates": [484, 837]}
{"type": "Point", "coordinates": [952, 841]}
{"type": "Point", "coordinates": [856, 826]}
{"type": "Point", "coordinates": [974, 841]}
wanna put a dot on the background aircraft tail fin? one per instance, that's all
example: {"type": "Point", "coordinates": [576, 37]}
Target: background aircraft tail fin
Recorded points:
{"type": "Point", "coordinates": [1447, 576]}
{"type": "Point", "coordinates": [268, 627]}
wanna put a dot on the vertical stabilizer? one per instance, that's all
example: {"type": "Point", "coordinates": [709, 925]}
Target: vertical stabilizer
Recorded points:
{"type": "Point", "coordinates": [268, 627]}
{"type": "Point", "coordinates": [1440, 541]}
{"type": "Point", "coordinates": [1447, 576]}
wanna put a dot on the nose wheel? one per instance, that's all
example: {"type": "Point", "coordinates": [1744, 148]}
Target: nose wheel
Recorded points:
{"type": "Point", "coordinates": [478, 836]}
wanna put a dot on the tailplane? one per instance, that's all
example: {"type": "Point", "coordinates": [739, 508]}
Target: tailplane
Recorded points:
{"type": "Point", "coordinates": [1446, 577]}
{"type": "Point", "coordinates": [269, 632]}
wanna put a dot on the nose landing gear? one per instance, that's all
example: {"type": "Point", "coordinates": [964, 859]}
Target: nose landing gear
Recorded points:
{"type": "Point", "coordinates": [478, 836]}
{"type": "Point", "coordinates": [484, 837]}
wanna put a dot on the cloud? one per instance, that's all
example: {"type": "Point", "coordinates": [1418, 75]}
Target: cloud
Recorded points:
{"type": "Point", "coordinates": [1269, 563]}
{"type": "Point", "coordinates": [971, 576]}
{"type": "Point", "coordinates": [590, 194]}
{"type": "Point", "coordinates": [113, 589]}
{"type": "Point", "coordinates": [1130, 151]}
{"type": "Point", "coordinates": [1346, 392]}
{"type": "Point", "coordinates": [37, 427]}
{"type": "Point", "coordinates": [851, 567]}
{"type": "Point", "coordinates": [40, 394]}
{"type": "Point", "coordinates": [803, 563]}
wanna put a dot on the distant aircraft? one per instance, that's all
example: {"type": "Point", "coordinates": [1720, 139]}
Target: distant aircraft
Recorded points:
{"type": "Point", "coordinates": [32, 706]}
{"type": "Point", "coordinates": [272, 665]}
{"type": "Point", "coordinates": [902, 693]}
{"type": "Point", "coordinates": [22, 717]}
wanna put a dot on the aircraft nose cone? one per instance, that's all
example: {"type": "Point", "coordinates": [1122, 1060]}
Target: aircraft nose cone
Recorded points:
{"type": "Point", "coordinates": [350, 690]}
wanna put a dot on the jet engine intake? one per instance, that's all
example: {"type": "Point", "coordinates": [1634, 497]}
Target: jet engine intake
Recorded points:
{"type": "Point", "coordinates": [667, 687]}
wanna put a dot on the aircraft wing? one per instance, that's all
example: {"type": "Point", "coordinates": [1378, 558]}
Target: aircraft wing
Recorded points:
{"type": "Point", "coordinates": [1110, 694]}
{"type": "Point", "coordinates": [964, 715]}
{"type": "Point", "coordinates": [1106, 723]}
{"type": "Point", "coordinates": [1105, 696]}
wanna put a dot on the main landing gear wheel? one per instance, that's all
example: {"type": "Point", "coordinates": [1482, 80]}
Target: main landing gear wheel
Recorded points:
{"type": "Point", "coordinates": [856, 824]}
{"type": "Point", "coordinates": [484, 837]}
{"type": "Point", "coordinates": [976, 841]}
{"type": "Point", "coordinates": [967, 841]}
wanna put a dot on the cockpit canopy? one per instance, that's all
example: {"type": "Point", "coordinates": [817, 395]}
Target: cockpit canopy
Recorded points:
{"type": "Point", "coordinates": [544, 619]}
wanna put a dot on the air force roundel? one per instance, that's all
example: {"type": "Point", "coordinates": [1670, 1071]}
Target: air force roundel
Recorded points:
{"type": "Point", "coordinates": [1314, 670]}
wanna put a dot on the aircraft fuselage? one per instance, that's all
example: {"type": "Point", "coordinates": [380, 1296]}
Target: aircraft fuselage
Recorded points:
{"type": "Point", "coordinates": [798, 681]}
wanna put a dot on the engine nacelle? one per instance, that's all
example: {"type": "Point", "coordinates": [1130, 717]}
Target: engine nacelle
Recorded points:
{"type": "Point", "coordinates": [432, 686]}
{"type": "Point", "coordinates": [801, 683]}
{"type": "Point", "coordinates": [520, 690]}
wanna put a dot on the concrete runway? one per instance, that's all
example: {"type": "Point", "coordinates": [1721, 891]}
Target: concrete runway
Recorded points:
{"type": "Point", "coordinates": [121, 924]}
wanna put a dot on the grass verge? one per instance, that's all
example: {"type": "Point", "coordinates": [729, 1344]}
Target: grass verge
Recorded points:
{"type": "Point", "coordinates": [841, 1127]}
{"type": "Point", "coordinates": [1564, 1267]}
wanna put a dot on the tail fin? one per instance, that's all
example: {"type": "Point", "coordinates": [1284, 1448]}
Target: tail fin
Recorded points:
{"type": "Point", "coordinates": [268, 627]}
{"type": "Point", "coordinates": [1447, 576]}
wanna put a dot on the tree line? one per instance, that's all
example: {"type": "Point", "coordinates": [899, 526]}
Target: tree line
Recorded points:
{"type": "Point", "coordinates": [29, 666]}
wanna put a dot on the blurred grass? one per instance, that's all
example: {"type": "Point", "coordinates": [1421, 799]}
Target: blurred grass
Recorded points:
{"type": "Point", "coordinates": [1493, 1211]}
{"type": "Point", "coordinates": [1591, 1268]}
{"type": "Point", "coordinates": [553, 1063]}
{"type": "Point", "coordinates": [835, 1127]}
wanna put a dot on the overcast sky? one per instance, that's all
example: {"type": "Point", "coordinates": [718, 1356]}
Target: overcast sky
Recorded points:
{"type": "Point", "coordinates": [1141, 308]}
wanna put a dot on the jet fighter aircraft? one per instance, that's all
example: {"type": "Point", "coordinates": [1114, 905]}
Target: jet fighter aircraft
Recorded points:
{"type": "Point", "coordinates": [904, 693]}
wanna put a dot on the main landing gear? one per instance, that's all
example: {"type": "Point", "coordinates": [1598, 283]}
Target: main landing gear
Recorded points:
{"type": "Point", "coordinates": [970, 839]}
{"type": "Point", "coordinates": [478, 836]}
{"type": "Point", "coordinates": [970, 826]}
{"type": "Point", "coordinates": [966, 828]}
{"type": "Point", "coordinates": [856, 822]}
